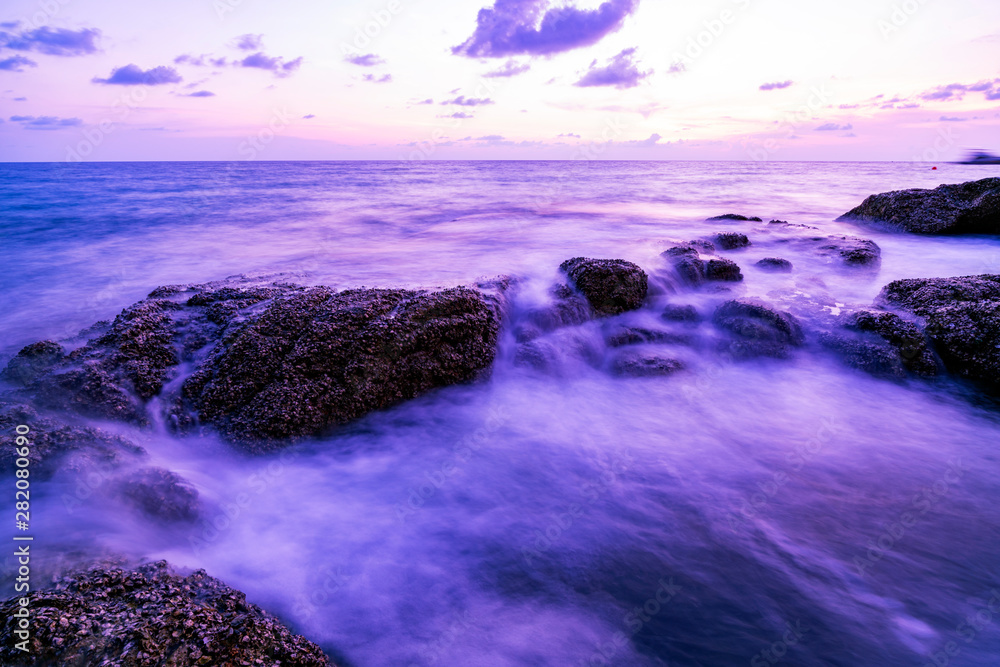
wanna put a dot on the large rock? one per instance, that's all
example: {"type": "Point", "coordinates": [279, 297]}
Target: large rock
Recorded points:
{"type": "Point", "coordinates": [966, 208]}
{"type": "Point", "coordinates": [757, 330]}
{"type": "Point", "coordinates": [612, 286]}
{"type": "Point", "coordinates": [963, 320]}
{"type": "Point", "coordinates": [692, 270]}
{"type": "Point", "coordinates": [321, 358]}
{"type": "Point", "coordinates": [149, 617]}
{"type": "Point", "coordinates": [904, 337]}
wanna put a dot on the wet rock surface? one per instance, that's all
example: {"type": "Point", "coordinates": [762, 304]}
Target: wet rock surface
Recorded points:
{"type": "Point", "coordinates": [904, 337]}
{"type": "Point", "coordinates": [644, 364]}
{"type": "Point", "coordinates": [692, 270]}
{"type": "Point", "coordinates": [161, 494]}
{"type": "Point", "coordinates": [611, 286]}
{"type": "Point", "coordinates": [965, 208]}
{"type": "Point", "coordinates": [731, 241]}
{"type": "Point", "coordinates": [757, 330]}
{"type": "Point", "coordinates": [723, 269]}
{"type": "Point", "coordinates": [875, 358]}
{"type": "Point", "coordinates": [774, 265]}
{"type": "Point", "coordinates": [962, 317]}
{"type": "Point", "coordinates": [322, 358]}
{"type": "Point", "coordinates": [150, 616]}
{"type": "Point", "coordinates": [733, 217]}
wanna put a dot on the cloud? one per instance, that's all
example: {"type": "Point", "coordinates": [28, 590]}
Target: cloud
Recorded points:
{"type": "Point", "coordinates": [276, 64]}
{"type": "Point", "coordinates": [45, 122]}
{"type": "Point", "coordinates": [620, 72]}
{"type": "Point", "coordinates": [365, 60]}
{"type": "Point", "coordinates": [16, 63]}
{"type": "Point", "coordinates": [53, 41]}
{"type": "Point", "coordinates": [677, 68]}
{"type": "Point", "coordinates": [912, 105]}
{"type": "Point", "coordinates": [458, 114]}
{"type": "Point", "coordinates": [20, 99]}
{"type": "Point", "coordinates": [491, 138]}
{"type": "Point", "coordinates": [133, 75]}
{"type": "Point", "coordinates": [464, 101]}
{"type": "Point", "coordinates": [571, 135]}
{"type": "Point", "coordinates": [200, 61]}
{"type": "Point", "coordinates": [385, 78]}
{"type": "Point", "coordinates": [776, 85]}
{"type": "Point", "coordinates": [309, 115]}
{"type": "Point", "coordinates": [957, 91]}
{"type": "Point", "coordinates": [833, 127]}
{"type": "Point", "coordinates": [427, 101]}
{"type": "Point", "coordinates": [652, 140]}
{"type": "Point", "coordinates": [519, 27]}
{"type": "Point", "coordinates": [952, 119]}
{"type": "Point", "coordinates": [510, 68]}
{"type": "Point", "coordinates": [849, 106]}
{"type": "Point", "coordinates": [249, 42]}
{"type": "Point", "coordinates": [201, 93]}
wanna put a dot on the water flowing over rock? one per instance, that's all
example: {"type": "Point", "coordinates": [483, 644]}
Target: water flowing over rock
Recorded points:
{"type": "Point", "coordinates": [774, 265]}
{"type": "Point", "coordinates": [965, 208]}
{"type": "Point", "coordinates": [149, 617]}
{"type": "Point", "coordinates": [963, 320]}
{"type": "Point", "coordinates": [612, 286]}
{"type": "Point", "coordinates": [757, 329]}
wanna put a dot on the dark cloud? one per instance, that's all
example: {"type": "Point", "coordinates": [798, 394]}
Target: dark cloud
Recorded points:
{"type": "Point", "coordinates": [620, 72]}
{"type": "Point", "coordinates": [249, 42]}
{"type": "Point", "coordinates": [385, 78]}
{"type": "Point", "coordinates": [53, 41]}
{"type": "Point", "coordinates": [16, 63]}
{"type": "Point", "coordinates": [275, 64]}
{"type": "Point", "coordinates": [201, 93]}
{"type": "Point", "coordinates": [518, 27]}
{"type": "Point", "coordinates": [510, 68]}
{"type": "Point", "coordinates": [833, 127]}
{"type": "Point", "coordinates": [46, 122]}
{"type": "Point", "coordinates": [464, 101]}
{"type": "Point", "coordinates": [200, 61]}
{"type": "Point", "coordinates": [364, 60]}
{"type": "Point", "coordinates": [133, 75]}
{"type": "Point", "coordinates": [957, 91]}
{"type": "Point", "coordinates": [9, 25]}
{"type": "Point", "coordinates": [776, 85]}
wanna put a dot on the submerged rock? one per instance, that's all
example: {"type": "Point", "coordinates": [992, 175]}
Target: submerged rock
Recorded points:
{"type": "Point", "coordinates": [735, 217]}
{"type": "Point", "coordinates": [677, 313]}
{"type": "Point", "coordinates": [567, 309]}
{"type": "Point", "coordinates": [612, 286]}
{"type": "Point", "coordinates": [620, 336]}
{"type": "Point", "coordinates": [149, 617]}
{"type": "Point", "coordinates": [322, 358]}
{"type": "Point", "coordinates": [723, 269]}
{"type": "Point", "coordinates": [644, 364]}
{"type": "Point", "coordinates": [757, 330]}
{"type": "Point", "coordinates": [731, 241]}
{"type": "Point", "coordinates": [963, 320]}
{"type": "Point", "coordinates": [966, 208]}
{"type": "Point", "coordinates": [774, 265]}
{"type": "Point", "coordinates": [904, 337]}
{"type": "Point", "coordinates": [875, 358]}
{"type": "Point", "coordinates": [161, 494]}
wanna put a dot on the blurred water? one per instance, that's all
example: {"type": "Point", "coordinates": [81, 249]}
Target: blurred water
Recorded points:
{"type": "Point", "coordinates": [561, 518]}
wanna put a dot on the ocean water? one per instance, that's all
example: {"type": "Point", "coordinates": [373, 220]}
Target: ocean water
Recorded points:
{"type": "Point", "coordinates": [769, 512]}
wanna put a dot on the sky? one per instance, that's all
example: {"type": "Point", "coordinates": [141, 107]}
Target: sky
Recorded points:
{"type": "Point", "coordinates": [85, 80]}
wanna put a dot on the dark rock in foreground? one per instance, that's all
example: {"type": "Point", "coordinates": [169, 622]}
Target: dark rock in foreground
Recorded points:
{"type": "Point", "coordinates": [875, 358]}
{"type": "Point", "coordinates": [904, 337]}
{"type": "Point", "coordinates": [735, 217]}
{"type": "Point", "coordinates": [692, 270]}
{"type": "Point", "coordinates": [150, 617]}
{"type": "Point", "coordinates": [723, 269]}
{"type": "Point", "coordinates": [757, 329]}
{"type": "Point", "coordinates": [774, 265]}
{"type": "Point", "coordinates": [966, 208]}
{"type": "Point", "coordinates": [963, 320]}
{"type": "Point", "coordinates": [322, 358]}
{"type": "Point", "coordinates": [612, 286]}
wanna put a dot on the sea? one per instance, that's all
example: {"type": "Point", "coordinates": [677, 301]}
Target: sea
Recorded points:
{"type": "Point", "coordinates": [773, 511]}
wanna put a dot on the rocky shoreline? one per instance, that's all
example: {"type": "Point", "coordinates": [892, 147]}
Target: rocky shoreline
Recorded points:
{"type": "Point", "coordinates": [265, 363]}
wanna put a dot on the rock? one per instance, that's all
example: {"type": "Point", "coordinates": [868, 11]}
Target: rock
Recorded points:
{"type": "Point", "coordinates": [568, 309]}
{"type": "Point", "coordinates": [645, 364]}
{"type": "Point", "coordinates": [146, 617]}
{"type": "Point", "coordinates": [850, 250]}
{"type": "Point", "coordinates": [963, 320]}
{"type": "Point", "coordinates": [774, 265]}
{"type": "Point", "coordinates": [685, 314]}
{"type": "Point", "coordinates": [731, 240]}
{"type": "Point", "coordinates": [52, 441]}
{"type": "Point", "coordinates": [32, 361]}
{"type": "Point", "coordinates": [620, 336]}
{"type": "Point", "coordinates": [877, 359]}
{"type": "Point", "coordinates": [723, 269]}
{"type": "Point", "coordinates": [966, 208]}
{"type": "Point", "coordinates": [611, 286]}
{"type": "Point", "coordinates": [757, 329]}
{"type": "Point", "coordinates": [734, 217]}
{"type": "Point", "coordinates": [161, 494]}
{"type": "Point", "coordinates": [904, 337]}
{"type": "Point", "coordinates": [321, 358]}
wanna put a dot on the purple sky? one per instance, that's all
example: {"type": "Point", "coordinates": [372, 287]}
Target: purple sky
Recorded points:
{"type": "Point", "coordinates": [499, 79]}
